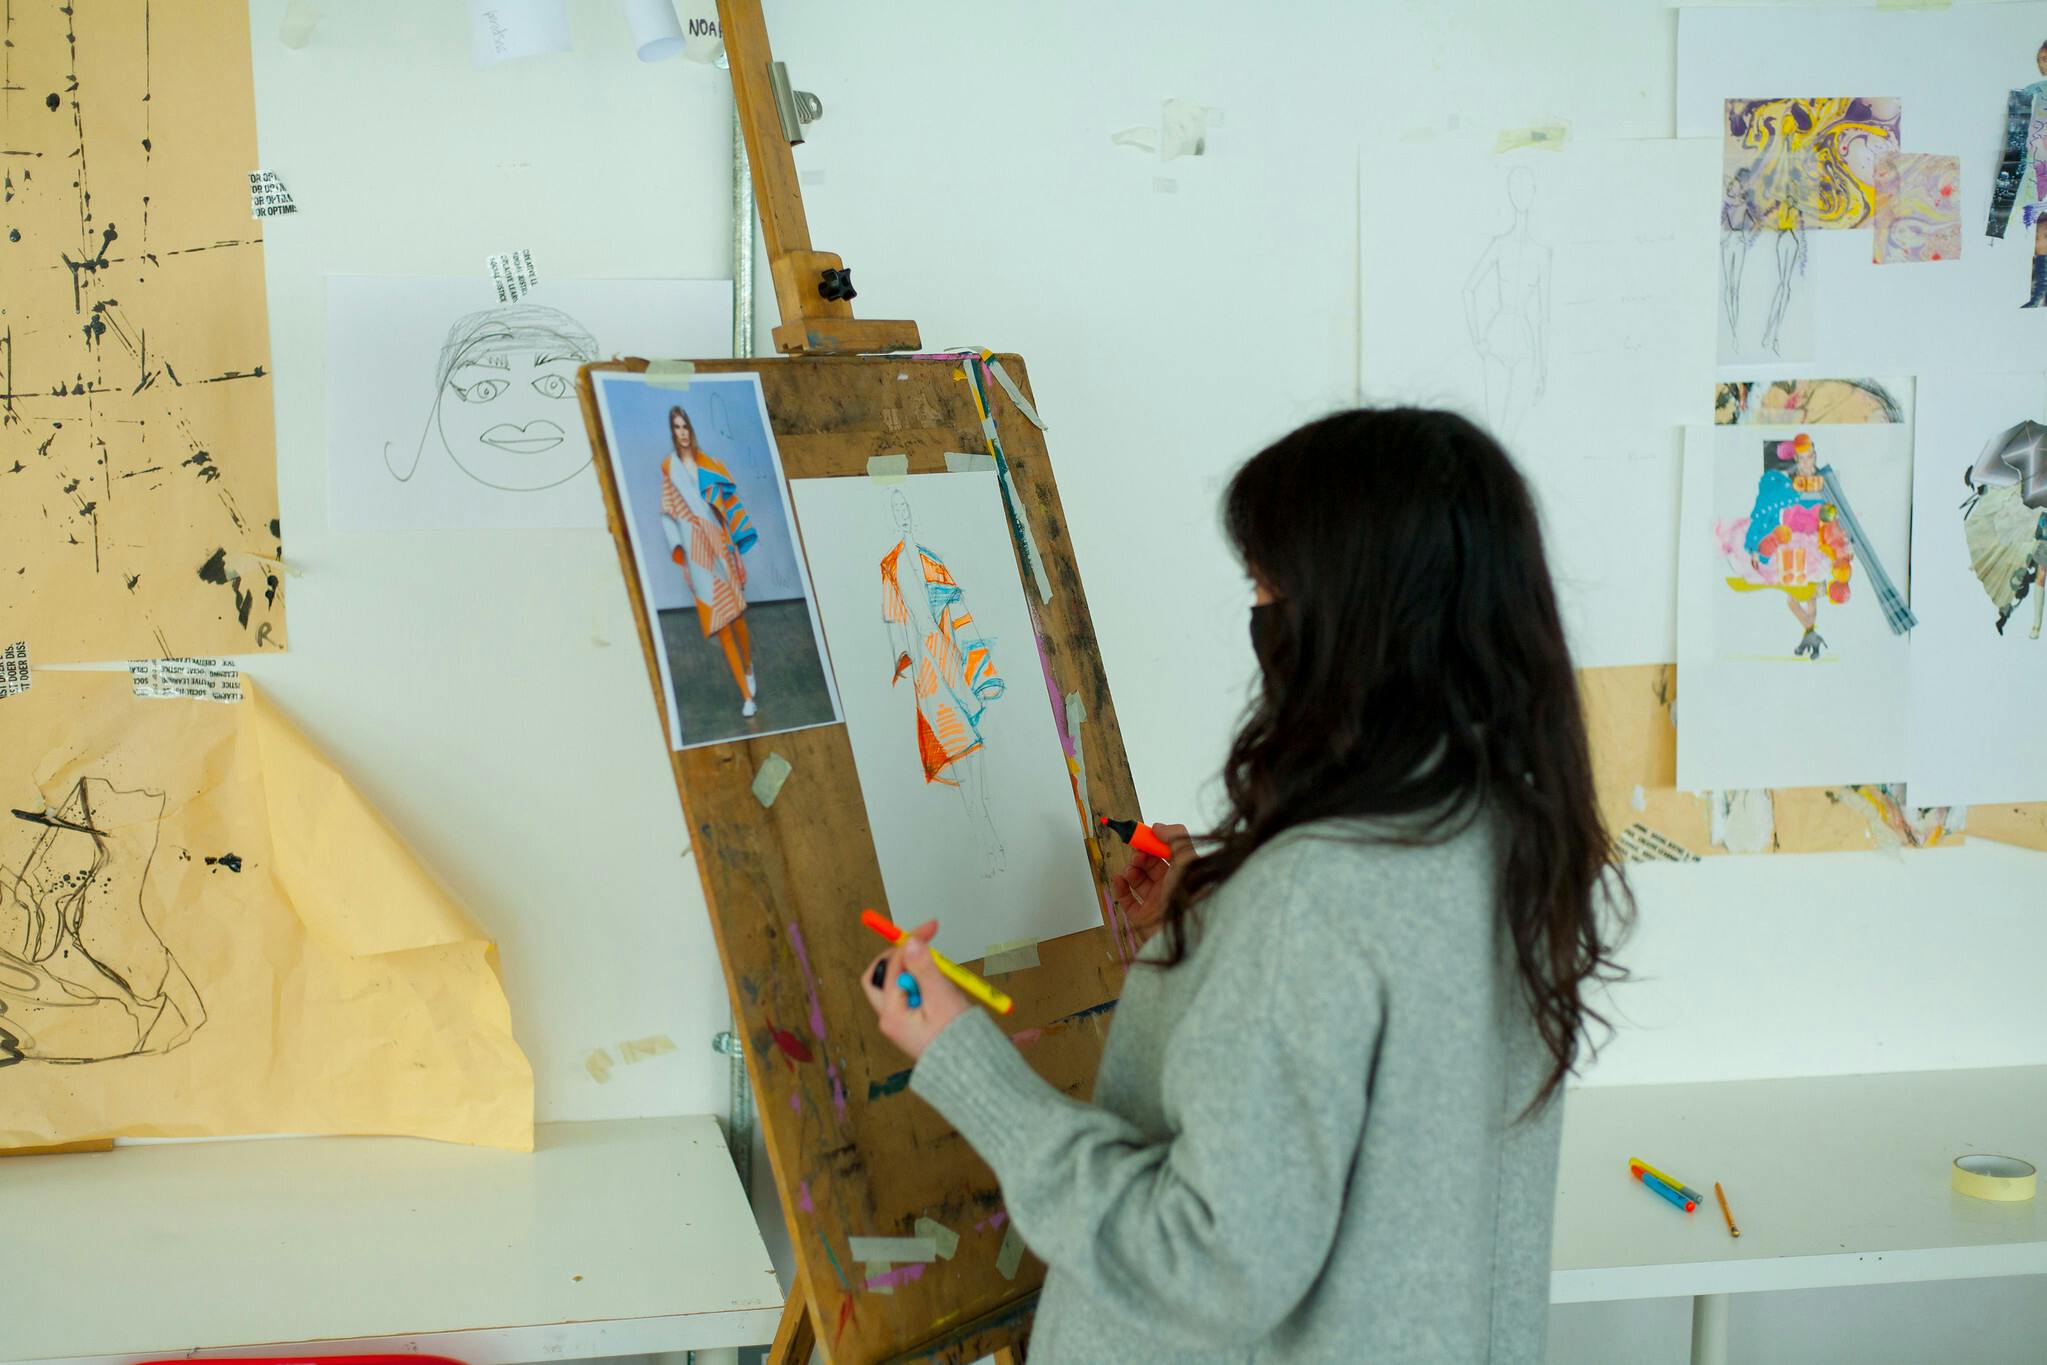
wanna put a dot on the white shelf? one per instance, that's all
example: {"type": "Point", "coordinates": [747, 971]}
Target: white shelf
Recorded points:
{"type": "Point", "coordinates": [613, 1238]}
{"type": "Point", "coordinates": [1834, 1180]}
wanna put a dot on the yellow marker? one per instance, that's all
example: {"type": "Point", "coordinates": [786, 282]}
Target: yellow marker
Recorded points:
{"type": "Point", "coordinates": [952, 971]}
{"type": "Point", "coordinates": [1667, 1178]}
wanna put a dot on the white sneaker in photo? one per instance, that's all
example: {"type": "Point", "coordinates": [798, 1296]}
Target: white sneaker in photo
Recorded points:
{"type": "Point", "coordinates": [749, 709]}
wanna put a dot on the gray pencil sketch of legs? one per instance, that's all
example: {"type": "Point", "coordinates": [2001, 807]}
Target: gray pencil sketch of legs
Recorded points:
{"type": "Point", "coordinates": [1506, 312]}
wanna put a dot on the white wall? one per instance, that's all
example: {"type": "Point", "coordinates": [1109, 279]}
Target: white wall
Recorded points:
{"type": "Point", "coordinates": [486, 690]}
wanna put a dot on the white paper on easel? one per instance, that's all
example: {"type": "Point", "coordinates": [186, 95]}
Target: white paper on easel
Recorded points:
{"type": "Point", "coordinates": [1951, 71]}
{"type": "Point", "coordinates": [961, 768]}
{"type": "Point", "coordinates": [1555, 310]}
{"type": "Point", "coordinates": [1975, 689]}
{"type": "Point", "coordinates": [1789, 673]}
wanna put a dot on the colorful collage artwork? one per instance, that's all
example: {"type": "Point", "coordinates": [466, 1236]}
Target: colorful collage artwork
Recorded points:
{"type": "Point", "coordinates": [1863, 561]}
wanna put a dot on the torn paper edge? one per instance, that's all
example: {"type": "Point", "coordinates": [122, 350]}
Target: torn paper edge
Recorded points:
{"type": "Point", "coordinates": [268, 198]}
{"type": "Point", "coordinates": [1744, 821]}
{"type": "Point", "coordinates": [513, 274]}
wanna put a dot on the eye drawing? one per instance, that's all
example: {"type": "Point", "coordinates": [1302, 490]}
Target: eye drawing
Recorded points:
{"type": "Point", "coordinates": [551, 386]}
{"type": "Point", "coordinates": [482, 391]}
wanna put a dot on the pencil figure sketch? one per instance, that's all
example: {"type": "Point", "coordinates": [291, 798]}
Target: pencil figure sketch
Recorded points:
{"type": "Point", "coordinates": [1507, 312]}
{"type": "Point", "coordinates": [2004, 521]}
{"type": "Point", "coordinates": [1788, 167]}
{"type": "Point", "coordinates": [84, 977]}
{"type": "Point", "coordinates": [504, 408]}
{"type": "Point", "coordinates": [950, 667]}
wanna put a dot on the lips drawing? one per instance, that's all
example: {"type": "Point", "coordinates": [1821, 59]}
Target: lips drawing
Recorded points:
{"type": "Point", "coordinates": [530, 439]}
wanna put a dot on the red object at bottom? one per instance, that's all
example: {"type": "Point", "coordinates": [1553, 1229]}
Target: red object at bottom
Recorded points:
{"type": "Point", "coordinates": [316, 1360]}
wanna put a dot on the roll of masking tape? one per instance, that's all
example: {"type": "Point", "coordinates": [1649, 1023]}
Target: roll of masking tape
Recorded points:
{"type": "Point", "coordinates": [1983, 1176]}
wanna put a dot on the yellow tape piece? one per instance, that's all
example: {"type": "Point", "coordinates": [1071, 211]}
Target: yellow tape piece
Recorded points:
{"type": "Point", "coordinates": [670, 374]}
{"type": "Point", "coordinates": [598, 1064]}
{"type": "Point", "coordinates": [2003, 1178]}
{"type": "Point", "coordinates": [640, 1049]}
{"type": "Point", "coordinates": [1547, 136]}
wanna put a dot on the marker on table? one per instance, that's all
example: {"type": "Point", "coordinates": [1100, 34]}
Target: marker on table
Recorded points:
{"type": "Point", "coordinates": [953, 972]}
{"type": "Point", "coordinates": [1663, 1191]}
{"type": "Point", "coordinates": [1636, 1166]}
{"type": "Point", "coordinates": [1139, 837]}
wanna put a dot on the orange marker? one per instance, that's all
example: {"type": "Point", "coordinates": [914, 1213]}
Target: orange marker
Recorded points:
{"type": "Point", "coordinates": [1139, 837]}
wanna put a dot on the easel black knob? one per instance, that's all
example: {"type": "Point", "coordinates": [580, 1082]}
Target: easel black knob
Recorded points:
{"type": "Point", "coordinates": [837, 285]}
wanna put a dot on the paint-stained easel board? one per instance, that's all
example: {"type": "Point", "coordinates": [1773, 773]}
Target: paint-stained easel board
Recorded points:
{"type": "Point", "coordinates": [854, 1153]}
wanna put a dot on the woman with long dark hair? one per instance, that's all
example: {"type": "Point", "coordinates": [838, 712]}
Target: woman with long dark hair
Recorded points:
{"type": "Point", "coordinates": [1325, 1126]}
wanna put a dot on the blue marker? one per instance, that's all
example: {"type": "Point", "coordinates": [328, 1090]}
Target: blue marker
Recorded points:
{"type": "Point", "coordinates": [909, 985]}
{"type": "Point", "coordinates": [1663, 1191]}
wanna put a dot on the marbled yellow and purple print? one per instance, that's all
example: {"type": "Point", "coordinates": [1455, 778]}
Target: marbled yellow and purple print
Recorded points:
{"type": "Point", "coordinates": [1918, 208]}
{"type": "Point", "coordinates": [1809, 164]}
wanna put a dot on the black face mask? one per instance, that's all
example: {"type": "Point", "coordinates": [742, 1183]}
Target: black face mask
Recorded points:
{"type": "Point", "coordinates": [1265, 632]}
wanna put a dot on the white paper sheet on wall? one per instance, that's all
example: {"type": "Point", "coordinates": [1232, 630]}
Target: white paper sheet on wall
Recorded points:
{"type": "Point", "coordinates": [447, 409]}
{"type": "Point", "coordinates": [1550, 308]}
{"type": "Point", "coordinates": [1951, 72]}
{"type": "Point", "coordinates": [1790, 674]}
{"type": "Point", "coordinates": [960, 763]}
{"type": "Point", "coordinates": [1978, 522]}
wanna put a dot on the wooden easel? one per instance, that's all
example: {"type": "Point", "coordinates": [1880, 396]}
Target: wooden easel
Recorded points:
{"type": "Point", "coordinates": [853, 1153]}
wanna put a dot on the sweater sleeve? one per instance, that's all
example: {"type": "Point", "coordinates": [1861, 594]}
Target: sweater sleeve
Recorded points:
{"type": "Point", "coordinates": [1217, 1230]}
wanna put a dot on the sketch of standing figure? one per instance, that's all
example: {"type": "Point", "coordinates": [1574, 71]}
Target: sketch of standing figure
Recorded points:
{"type": "Point", "coordinates": [1506, 310]}
{"type": "Point", "coordinates": [708, 530]}
{"type": "Point", "coordinates": [951, 669]}
{"type": "Point", "coordinates": [2023, 168]}
{"type": "Point", "coordinates": [1740, 221]}
{"type": "Point", "coordinates": [83, 975]}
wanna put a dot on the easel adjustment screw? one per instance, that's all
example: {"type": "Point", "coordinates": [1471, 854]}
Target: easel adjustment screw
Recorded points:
{"type": "Point", "coordinates": [837, 285]}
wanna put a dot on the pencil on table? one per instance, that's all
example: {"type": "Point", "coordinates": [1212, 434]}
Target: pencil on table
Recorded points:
{"type": "Point", "coordinates": [1725, 1212]}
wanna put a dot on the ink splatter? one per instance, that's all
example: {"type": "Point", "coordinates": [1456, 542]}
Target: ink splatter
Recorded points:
{"type": "Point", "coordinates": [887, 1085]}
{"type": "Point", "coordinates": [901, 1275]}
{"type": "Point", "coordinates": [809, 981]}
{"type": "Point", "coordinates": [50, 101]}
{"type": "Point", "coordinates": [838, 1090]}
{"type": "Point", "coordinates": [214, 570]}
{"type": "Point", "coordinates": [231, 861]}
{"type": "Point", "coordinates": [803, 1198]}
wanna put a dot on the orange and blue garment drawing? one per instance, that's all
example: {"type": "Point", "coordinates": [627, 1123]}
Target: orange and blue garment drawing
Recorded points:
{"type": "Point", "coordinates": [951, 666]}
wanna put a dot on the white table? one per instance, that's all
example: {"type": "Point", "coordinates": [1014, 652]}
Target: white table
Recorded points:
{"type": "Point", "coordinates": [1834, 1180]}
{"type": "Point", "coordinates": [615, 1238]}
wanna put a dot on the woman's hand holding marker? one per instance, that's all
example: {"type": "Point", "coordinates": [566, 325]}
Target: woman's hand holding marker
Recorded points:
{"type": "Point", "coordinates": [912, 1027]}
{"type": "Point", "coordinates": [1142, 888]}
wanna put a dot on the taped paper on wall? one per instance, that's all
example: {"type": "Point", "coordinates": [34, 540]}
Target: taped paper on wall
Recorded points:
{"type": "Point", "coordinates": [268, 198]}
{"type": "Point", "coordinates": [502, 30]}
{"type": "Point", "coordinates": [1183, 129]}
{"type": "Point", "coordinates": [200, 679]}
{"type": "Point", "coordinates": [1637, 843]}
{"type": "Point", "coordinates": [266, 956]}
{"type": "Point", "coordinates": [512, 273]}
{"type": "Point", "coordinates": [14, 672]}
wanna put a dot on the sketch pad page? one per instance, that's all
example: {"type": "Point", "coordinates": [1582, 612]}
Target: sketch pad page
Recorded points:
{"type": "Point", "coordinates": [448, 410]}
{"type": "Point", "coordinates": [973, 812]}
{"type": "Point", "coordinates": [1789, 674]}
{"type": "Point", "coordinates": [1979, 537]}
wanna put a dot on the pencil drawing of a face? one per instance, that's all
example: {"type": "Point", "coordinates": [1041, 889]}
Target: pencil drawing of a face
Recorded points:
{"type": "Point", "coordinates": [505, 398]}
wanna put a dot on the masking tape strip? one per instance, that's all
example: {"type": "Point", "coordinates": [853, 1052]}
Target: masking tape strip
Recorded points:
{"type": "Point", "coordinates": [640, 1049]}
{"type": "Point", "coordinates": [969, 462]}
{"type": "Point", "coordinates": [14, 673]}
{"type": "Point", "coordinates": [201, 679]}
{"type": "Point", "coordinates": [891, 468]}
{"type": "Point", "coordinates": [893, 1250]}
{"type": "Point", "coordinates": [1011, 1255]}
{"type": "Point", "coordinates": [2006, 1179]}
{"type": "Point", "coordinates": [1547, 136]}
{"type": "Point", "coordinates": [1010, 387]}
{"type": "Point", "coordinates": [944, 1240]}
{"type": "Point", "coordinates": [1019, 524]}
{"type": "Point", "coordinates": [767, 783]}
{"type": "Point", "coordinates": [598, 1064]}
{"type": "Point", "coordinates": [1912, 4]}
{"type": "Point", "coordinates": [1076, 716]}
{"type": "Point", "coordinates": [1010, 957]}
{"type": "Point", "coordinates": [670, 374]}
{"type": "Point", "coordinates": [297, 28]}
{"type": "Point", "coordinates": [875, 1273]}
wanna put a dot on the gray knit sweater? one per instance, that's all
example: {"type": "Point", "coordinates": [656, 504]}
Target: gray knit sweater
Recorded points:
{"type": "Point", "coordinates": [1302, 1144]}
